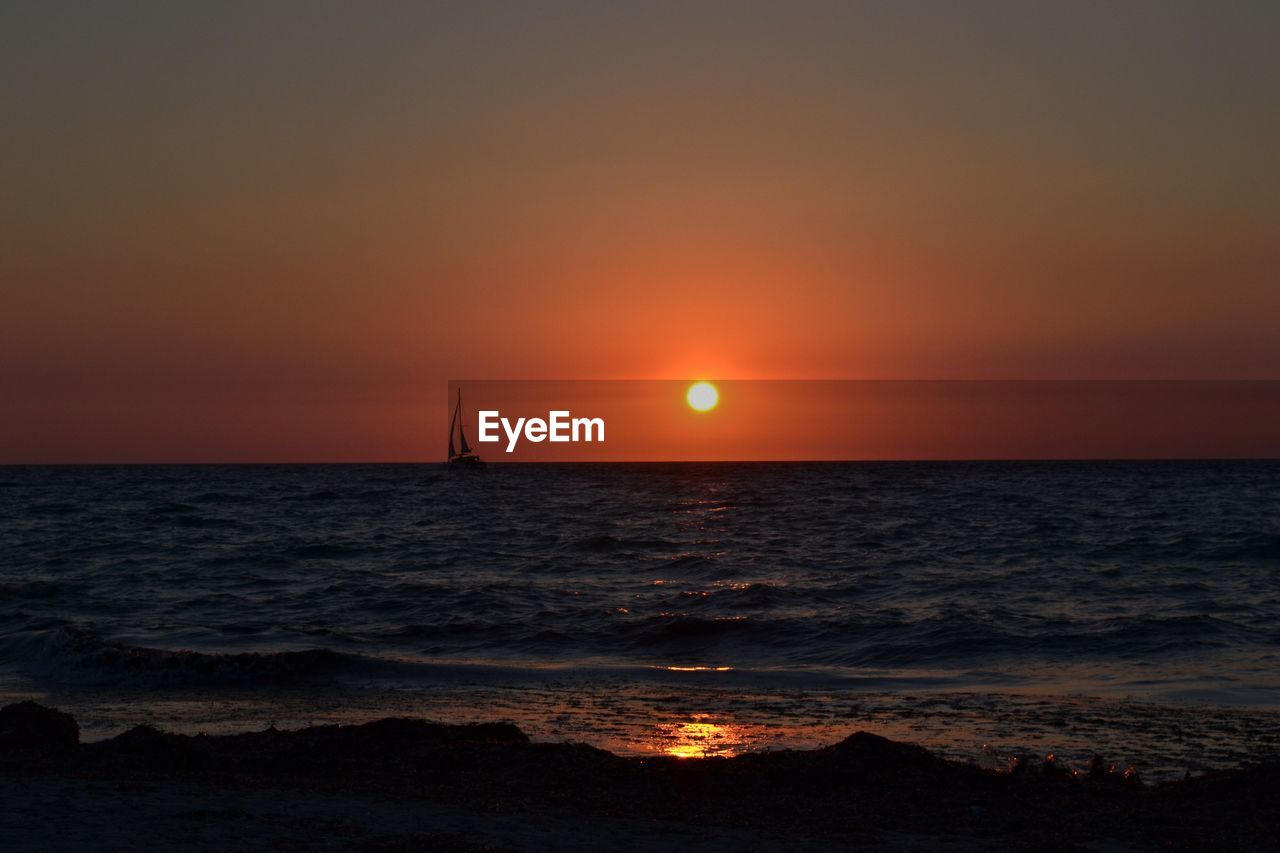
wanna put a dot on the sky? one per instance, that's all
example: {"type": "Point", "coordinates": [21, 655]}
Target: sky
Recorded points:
{"type": "Point", "coordinates": [274, 231]}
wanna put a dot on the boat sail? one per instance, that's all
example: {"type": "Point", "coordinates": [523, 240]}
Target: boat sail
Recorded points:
{"type": "Point", "coordinates": [464, 455]}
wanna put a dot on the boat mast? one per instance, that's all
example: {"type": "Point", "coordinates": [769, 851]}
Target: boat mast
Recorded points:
{"type": "Point", "coordinates": [453, 420]}
{"type": "Point", "coordinates": [462, 436]}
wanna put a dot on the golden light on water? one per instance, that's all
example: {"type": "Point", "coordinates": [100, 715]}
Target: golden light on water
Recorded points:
{"type": "Point", "coordinates": [701, 736]}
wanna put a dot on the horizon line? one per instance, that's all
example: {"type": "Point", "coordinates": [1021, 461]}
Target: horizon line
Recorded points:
{"type": "Point", "coordinates": [516, 462]}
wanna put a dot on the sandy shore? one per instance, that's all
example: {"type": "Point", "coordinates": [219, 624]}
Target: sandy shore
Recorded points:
{"type": "Point", "coordinates": [401, 784]}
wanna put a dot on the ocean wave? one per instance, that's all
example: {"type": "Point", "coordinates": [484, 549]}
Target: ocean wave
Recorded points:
{"type": "Point", "coordinates": [222, 498]}
{"type": "Point", "coordinates": [325, 551]}
{"type": "Point", "coordinates": [607, 544]}
{"type": "Point", "coordinates": [73, 655]}
{"type": "Point", "coordinates": [1258, 547]}
{"type": "Point", "coordinates": [789, 566]}
{"type": "Point", "coordinates": [746, 595]}
{"type": "Point", "coordinates": [172, 508]}
{"type": "Point", "coordinates": [204, 522]}
{"type": "Point", "coordinates": [962, 639]}
{"type": "Point", "coordinates": [53, 508]}
{"type": "Point", "coordinates": [30, 588]}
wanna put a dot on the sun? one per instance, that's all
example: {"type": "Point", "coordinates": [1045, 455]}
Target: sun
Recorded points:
{"type": "Point", "coordinates": [702, 396]}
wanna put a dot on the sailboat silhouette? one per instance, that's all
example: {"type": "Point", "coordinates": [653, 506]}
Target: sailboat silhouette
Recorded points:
{"type": "Point", "coordinates": [465, 456]}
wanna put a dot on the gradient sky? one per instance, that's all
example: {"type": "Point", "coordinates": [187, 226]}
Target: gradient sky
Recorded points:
{"type": "Point", "coordinates": [272, 231]}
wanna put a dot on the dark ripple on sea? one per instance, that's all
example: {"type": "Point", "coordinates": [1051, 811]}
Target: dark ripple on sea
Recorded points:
{"type": "Point", "coordinates": [1117, 570]}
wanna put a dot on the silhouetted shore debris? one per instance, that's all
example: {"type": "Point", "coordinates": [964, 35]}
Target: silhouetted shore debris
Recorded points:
{"type": "Point", "coordinates": [863, 784]}
{"type": "Point", "coordinates": [27, 728]}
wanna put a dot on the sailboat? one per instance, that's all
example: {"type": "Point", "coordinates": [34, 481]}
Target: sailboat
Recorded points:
{"type": "Point", "coordinates": [466, 456]}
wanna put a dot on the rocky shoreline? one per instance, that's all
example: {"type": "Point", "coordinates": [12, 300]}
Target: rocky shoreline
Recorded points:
{"type": "Point", "coordinates": [487, 786]}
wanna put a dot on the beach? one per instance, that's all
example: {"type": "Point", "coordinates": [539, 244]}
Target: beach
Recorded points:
{"type": "Point", "coordinates": [401, 784]}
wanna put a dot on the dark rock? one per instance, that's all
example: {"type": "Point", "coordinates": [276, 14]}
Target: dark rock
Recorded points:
{"type": "Point", "coordinates": [1052, 768]}
{"type": "Point", "coordinates": [29, 727]}
{"type": "Point", "coordinates": [850, 792]}
{"type": "Point", "coordinates": [873, 752]}
{"type": "Point", "coordinates": [145, 737]}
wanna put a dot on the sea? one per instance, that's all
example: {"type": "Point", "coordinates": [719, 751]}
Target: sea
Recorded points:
{"type": "Point", "coordinates": [988, 610]}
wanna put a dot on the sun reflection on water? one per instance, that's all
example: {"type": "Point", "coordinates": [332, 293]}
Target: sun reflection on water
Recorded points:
{"type": "Point", "coordinates": [701, 736]}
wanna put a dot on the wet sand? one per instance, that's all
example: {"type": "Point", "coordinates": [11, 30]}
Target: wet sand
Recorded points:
{"type": "Point", "coordinates": [703, 714]}
{"type": "Point", "coordinates": [401, 784]}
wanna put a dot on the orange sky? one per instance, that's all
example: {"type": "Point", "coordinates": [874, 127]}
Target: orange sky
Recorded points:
{"type": "Point", "coordinates": [236, 234]}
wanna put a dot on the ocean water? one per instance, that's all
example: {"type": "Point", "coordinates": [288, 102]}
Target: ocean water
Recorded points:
{"type": "Point", "coordinates": [689, 609]}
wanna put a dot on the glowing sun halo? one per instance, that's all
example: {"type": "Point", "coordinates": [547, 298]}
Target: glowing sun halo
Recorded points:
{"type": "Point", "coordinates": [702, 396]}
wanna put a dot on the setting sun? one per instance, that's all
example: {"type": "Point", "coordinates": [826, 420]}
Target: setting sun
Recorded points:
{"type": "Point", "coordinates": [702, 396]}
